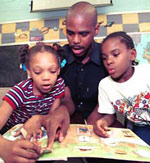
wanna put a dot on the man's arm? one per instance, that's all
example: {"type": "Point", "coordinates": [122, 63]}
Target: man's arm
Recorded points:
{"type": "Point", "coordinates": [18, 151]}
{"type": "Point", "coordinates": [67, 101]}
{"type": "Point", "coordinates": [57, 122]}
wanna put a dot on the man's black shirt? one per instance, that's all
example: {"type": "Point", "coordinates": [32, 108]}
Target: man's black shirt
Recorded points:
{"type": "Point", "coordinates": [83, 79]}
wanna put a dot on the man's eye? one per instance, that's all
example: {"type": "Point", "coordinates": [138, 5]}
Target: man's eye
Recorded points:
{"type": "Point", "coordinates": [84, 34]}
{"type": "Point", "coordinates": [70, 33]}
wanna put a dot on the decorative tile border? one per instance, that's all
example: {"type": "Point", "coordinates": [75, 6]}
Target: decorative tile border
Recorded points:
{"type": "Point", "coordinates": [53, 29]}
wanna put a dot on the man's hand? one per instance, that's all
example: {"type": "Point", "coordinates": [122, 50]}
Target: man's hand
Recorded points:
{"type": "Point", "coordinates": [33, 128]}
{"type": "Point", "coordinates": [56, 124]}
{"type": "Point", "coordinates": [19, 151]}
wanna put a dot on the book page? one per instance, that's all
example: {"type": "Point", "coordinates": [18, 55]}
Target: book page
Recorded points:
{"type": "Point", "coordinates": [81, 141]}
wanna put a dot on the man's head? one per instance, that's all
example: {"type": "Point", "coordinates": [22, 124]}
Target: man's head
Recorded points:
{"type": "Point", "coordinates": [81, 26]}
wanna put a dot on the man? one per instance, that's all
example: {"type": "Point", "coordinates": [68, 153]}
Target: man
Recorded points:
{"type": "Point", "coordinates": [82, 72]}
{"type": "Point", "coordinates": [84, 69]}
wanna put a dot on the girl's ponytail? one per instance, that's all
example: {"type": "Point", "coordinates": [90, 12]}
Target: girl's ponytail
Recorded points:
{"type": "Point", "coordinates": [23, 52]}
{"type": "Point", "coordinates": [61, 54]}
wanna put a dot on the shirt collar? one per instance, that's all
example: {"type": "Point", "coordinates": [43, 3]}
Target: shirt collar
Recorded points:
{"type": "Point", "coordinates": [95, 56]}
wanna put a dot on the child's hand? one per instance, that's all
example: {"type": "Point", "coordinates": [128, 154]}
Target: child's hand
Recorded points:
{"type": "Point", "coordinates": [100, 128]}
{"type": "Point", "coordinates": [20, 151]}
{"type": "Point", "coordinates": [32, 128]}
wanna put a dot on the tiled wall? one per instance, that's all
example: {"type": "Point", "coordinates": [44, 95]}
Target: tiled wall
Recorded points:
{"type": "Point", "coordinates": [53, 29]}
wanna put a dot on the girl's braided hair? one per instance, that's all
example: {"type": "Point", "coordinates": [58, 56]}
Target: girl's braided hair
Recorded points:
{"type": "Point", "coordinates": [26, 52]}
{"type": "Point", "coordinates": [124, 38]}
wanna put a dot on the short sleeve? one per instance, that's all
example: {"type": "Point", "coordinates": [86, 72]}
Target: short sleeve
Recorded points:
{"type": "Point", "coordinates": [14, 97]}
{"type": "Point", "coordinates": [105, 106]}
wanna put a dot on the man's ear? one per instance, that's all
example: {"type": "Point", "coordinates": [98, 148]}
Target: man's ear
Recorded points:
{"type": "Point", "coordinates": [64, 22]}
{"type": "Point", "coordinates": [58, 72]}
{"type": "Point", "coordinates": [97, 27]}
{"type": "Point", "coordinates": [28, 72]}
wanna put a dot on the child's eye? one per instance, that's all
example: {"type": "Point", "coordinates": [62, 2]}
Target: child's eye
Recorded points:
{"type": "Point", "coordinates": [53, 71]}
{"type": "Point", "coordinates": [37, 72]}
{"type": "Point", "coordinates": [115, 54]}
{"type": "Point", "coordinates": [104, 58]}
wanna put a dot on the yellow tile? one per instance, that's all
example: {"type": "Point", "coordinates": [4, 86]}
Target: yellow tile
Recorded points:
{"type": "Point", "coordinates": [99, 40]}
{"type": "Point", "coordinates": [63, 43]}
{"type": "Point", "coordinates": [144, 27]}
{"type": "Point", "coordinates": [36, 24]}
{"type": "Point", "coordinates": [102, 18]}
{"type": "Point", "coordinates": [18, 31]}
{"type": "Point", "coordinates": [32, 44]}
{"type": "Point", "coordinates": [130, 18]}
{"type": "Point", "coordinates": [114, 28]}
{"type": "Point", "coordinates": [22, 36]}
{"type": "Point", "coordinates": [52, 35]}
{"type": "Point", "coordinates": [8, 28]}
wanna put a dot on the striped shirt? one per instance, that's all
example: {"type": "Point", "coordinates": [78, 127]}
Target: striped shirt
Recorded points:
{"type": "Point", "coordinates": [26, 104]}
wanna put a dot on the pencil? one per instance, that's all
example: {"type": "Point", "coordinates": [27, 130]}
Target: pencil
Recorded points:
{"type": "Point", "coordinates": [86, 125]}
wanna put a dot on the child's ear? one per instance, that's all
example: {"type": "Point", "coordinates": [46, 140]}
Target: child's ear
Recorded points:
{"type": "Point", "coordinates": [58, 72]}
{"type": "Point", "coordinates": [133, 54]}
{"type": "Point", "coordinates": [28, 72]}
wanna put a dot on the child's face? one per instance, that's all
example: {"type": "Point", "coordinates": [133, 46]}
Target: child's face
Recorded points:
{"type": "Point", "coordinates": [117, 59]}
{"type": "Point", "coordinates": [43, 69]}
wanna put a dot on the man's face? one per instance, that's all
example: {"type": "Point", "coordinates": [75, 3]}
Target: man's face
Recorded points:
{"type": "Point", "coordinates": [80, 34]}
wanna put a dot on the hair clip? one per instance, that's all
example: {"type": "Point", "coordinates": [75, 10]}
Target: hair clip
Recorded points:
{"type": "Point", "coordinates": [63, 63]}
{"type": "Point", "coordinates": [22, 66]}
{"type": "Point", "coordinates": [29, 48]}
{"type": "Point", "coordinates": [55, 47]}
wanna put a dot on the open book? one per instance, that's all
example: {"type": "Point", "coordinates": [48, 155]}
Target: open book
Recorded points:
{"type": "Point", "coordinates": [81, 141]}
